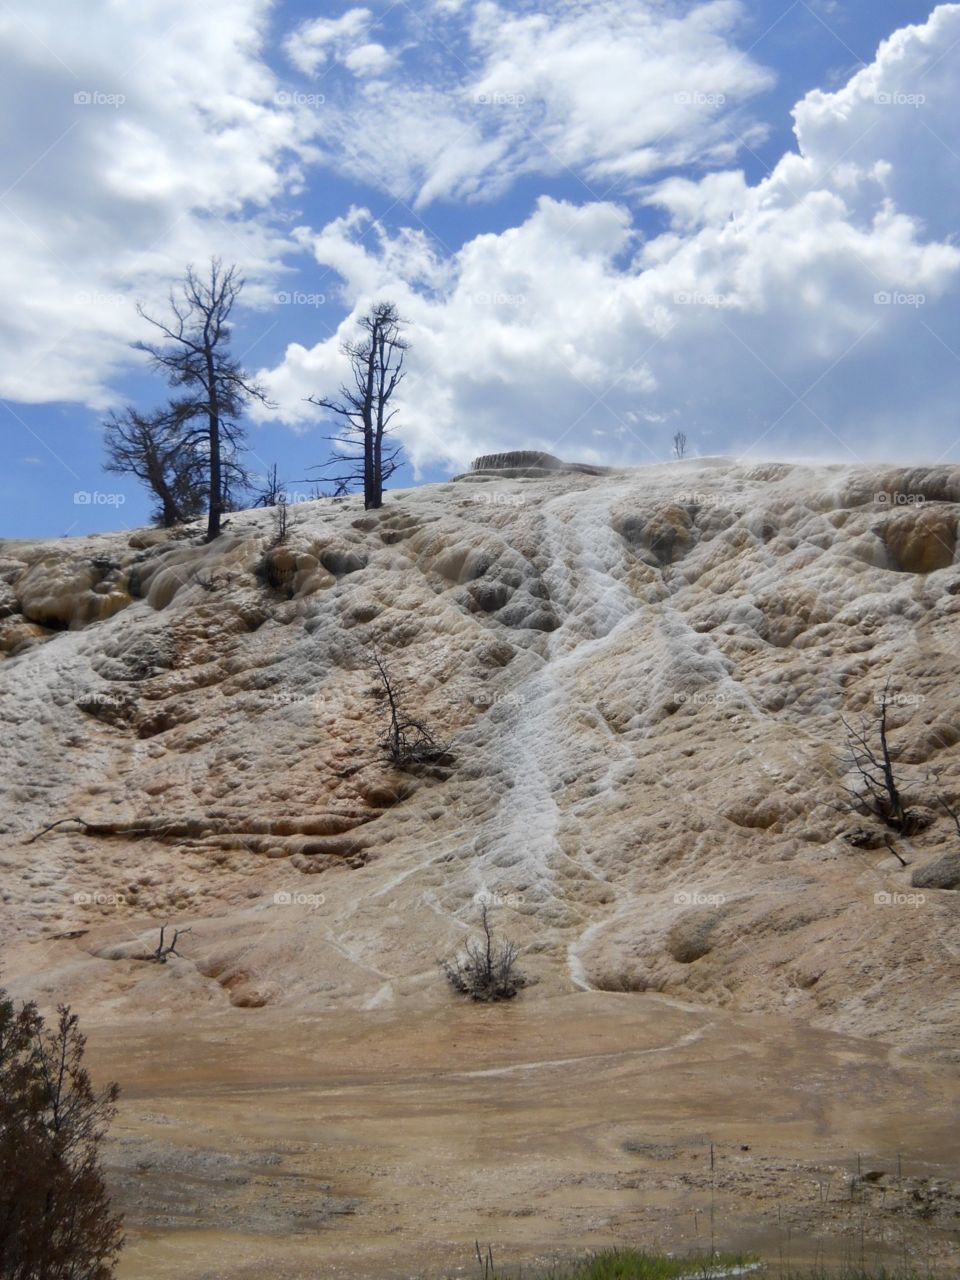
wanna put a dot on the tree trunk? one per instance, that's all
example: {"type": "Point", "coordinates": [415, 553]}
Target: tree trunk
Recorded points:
{"type": "Point", "coordinates": [379, 428]}
{"type": "Point", "coordinates": [216, 477]}
{"type": "Point", "coordinates": [371, 499]}
{"type": "Point", "coordinates": [169, 512]}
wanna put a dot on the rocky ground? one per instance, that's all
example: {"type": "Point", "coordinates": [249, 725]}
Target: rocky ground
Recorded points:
{"type": "Point", "coordinates": [641, 677]}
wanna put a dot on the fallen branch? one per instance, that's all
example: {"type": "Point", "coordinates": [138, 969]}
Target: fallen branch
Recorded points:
{"type": "Point", "coordinates": [329, 822]}
{"type": "Point", "coordinates": [98, 828]}
{"type": "Point", "coordinates": [161, 953]}
{"type": "Point", "coordinates": [889, 843]}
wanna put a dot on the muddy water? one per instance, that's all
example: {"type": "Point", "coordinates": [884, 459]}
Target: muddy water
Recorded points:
{"type": "Point", "coordinates": [384, 1143]}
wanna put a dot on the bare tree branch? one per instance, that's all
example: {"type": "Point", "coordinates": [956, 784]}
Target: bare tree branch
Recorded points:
{"type": "Point", "coordinates": [487, 971]}
{"type": "Point", "coordinates": [194, 353]}
{"type": "Point", "coordinates": [408, 741]}
{"type": "Point", "coordinates": [376, 363]}
{"type": "Point", "coordinates": [879, 790]}
{"type": "Point", "coordinates": [162, 952]}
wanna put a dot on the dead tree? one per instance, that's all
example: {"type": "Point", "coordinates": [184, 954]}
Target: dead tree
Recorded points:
{"type": "Point", "coordinates": [408, 741]}
{"type": "Point", "coordinates": [272, 490]}
{"type": "Point", "coordinates": [194, 353]}
{"type": "Point", "coordinates": [679, 444]}
{"type": "Point", "coordinates": [878, 791]}
{"type": "Point", "coordinates": [376, 361]}
{"type": "Point", "coordinates": [487, 970]}
{"type": "Point", "coordinates": [281, 521]}
{"type": "Point", "coordinates": [151, 447]}
{"type": "Point", "coordinates": [162, 952]}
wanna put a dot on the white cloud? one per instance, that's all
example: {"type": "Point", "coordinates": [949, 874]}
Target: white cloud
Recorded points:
{"type": "Point", "coordinates": [621, 89]}
{"type": "Point", "coordinates": [313, 43]}
{"type": "Point", "coordinates": [139, 138]}
{"type": "Point", "coordinates": [893, 126]}
{"type": "Point", "coordinates": [565, 330]}
{"type": "Point", "coordinates": [609, 92]}
{"type": "Point", "coordinates": [477, 344]}
{"type": "Point", "coordinates": [368, 59]}
{"type": "Point", "coordinates": [811, 312]}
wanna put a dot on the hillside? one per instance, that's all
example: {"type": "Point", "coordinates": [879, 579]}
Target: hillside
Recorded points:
{"type": "Point", "coordinates": [641, 677]}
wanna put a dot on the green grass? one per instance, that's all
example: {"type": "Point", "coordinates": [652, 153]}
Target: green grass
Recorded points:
{"type": "Point", "coordinates": [633, 1264]}
{"type": "Point", "coordinates": [628, 1264]}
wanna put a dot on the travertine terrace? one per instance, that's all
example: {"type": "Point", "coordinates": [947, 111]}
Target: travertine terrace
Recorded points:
{"type": "Point", "coordinates": [641, 675]}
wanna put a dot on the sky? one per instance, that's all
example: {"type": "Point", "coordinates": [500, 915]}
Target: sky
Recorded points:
{"type": "Point", "coordinates": [604, 221]}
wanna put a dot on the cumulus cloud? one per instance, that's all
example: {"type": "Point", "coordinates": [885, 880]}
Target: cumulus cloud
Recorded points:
{"type": "Point", "coordinates": [609, 92]}
{"type": "Point", "coordinates": [815, 308]}
{"type": "Point", "coordinates": [154, 139]}
{"type": "Point", "coordinates": [893, 126]}
{"type": "Point", "coordinates": [813, 311]}
{"type": "Point", "coordinates": [343, 39]}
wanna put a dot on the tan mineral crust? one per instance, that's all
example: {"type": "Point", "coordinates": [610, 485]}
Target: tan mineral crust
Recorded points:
{"type": "Point", "coordinates": [642, 677]}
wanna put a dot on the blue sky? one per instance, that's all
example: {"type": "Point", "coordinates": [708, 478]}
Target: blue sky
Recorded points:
{"type": "Point", "coordinates": [604, 221]}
